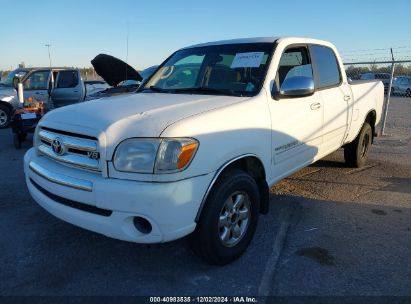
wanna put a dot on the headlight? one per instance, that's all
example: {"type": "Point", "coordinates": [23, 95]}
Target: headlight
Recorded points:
{"type": "Point", "coordinates": [136, 155]}
{"type": "Point", "coordinates": [154, 155]}
{"type": "Point", "coordinates": [175, 154]}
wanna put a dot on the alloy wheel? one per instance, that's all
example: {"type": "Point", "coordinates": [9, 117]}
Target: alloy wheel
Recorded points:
{"type": "Point", "coordinates": [234, 218]}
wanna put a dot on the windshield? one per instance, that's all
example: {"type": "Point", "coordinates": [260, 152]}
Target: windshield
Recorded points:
{"type": "Point", "coordinates": [8, 80]}
{"type": "Point", "coordinates": [233, 69]}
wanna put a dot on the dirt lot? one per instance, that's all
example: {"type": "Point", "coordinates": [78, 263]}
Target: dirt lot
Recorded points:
{"type": "Point", "coordinates": [331, 231]}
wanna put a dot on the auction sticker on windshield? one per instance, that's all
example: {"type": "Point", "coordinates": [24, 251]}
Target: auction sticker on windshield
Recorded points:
{"type": "Point", "coordinates": [247, 60]}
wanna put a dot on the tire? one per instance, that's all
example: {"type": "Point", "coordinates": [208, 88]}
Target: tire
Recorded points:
{"type": "Point", "coordinates": [356, 153]}
{"type": "Point", "coordinates": [224, 233]}
{"type": "Point", "coordinates": [5, 115]}
{"type": "Point", "coordinates": [408, 93]}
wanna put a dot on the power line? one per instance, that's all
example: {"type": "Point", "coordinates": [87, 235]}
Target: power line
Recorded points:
{"type": "Point", "coordinates": [379, 49]}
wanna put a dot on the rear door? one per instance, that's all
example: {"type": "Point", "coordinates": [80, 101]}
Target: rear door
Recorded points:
{"type": "Point", "coordinates": [68, 88]}
{"type": "Point", "coordinates": [335, 96]}
{"type": "Point", "coordinates": [35, 86]}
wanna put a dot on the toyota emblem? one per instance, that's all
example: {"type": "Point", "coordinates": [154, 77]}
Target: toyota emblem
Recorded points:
{"type": "Point", "coordinates": [58, 146]}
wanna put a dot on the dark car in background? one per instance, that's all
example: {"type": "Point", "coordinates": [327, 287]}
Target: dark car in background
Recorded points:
{"type": "Point", "coordinates": [119, 75]}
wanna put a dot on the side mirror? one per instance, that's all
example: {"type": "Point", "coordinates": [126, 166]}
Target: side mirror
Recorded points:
{"type": "Point", "coordinates": [17, 79]}
{"type": "Point", "coordinates": [15, 82]}
{"type": "Point", "coordinates": [297, 86]}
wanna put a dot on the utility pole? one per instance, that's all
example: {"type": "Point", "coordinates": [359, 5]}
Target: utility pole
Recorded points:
{"type": "Point", "coordinates": [387, 101]}
{"type": "Point", "coordinates": [48, 48]}
{"type": "Point", "coordinates": [51, 84]}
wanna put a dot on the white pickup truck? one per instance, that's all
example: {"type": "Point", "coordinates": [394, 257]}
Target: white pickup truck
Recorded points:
{"type": "Point", "coordinates": [195, 150]}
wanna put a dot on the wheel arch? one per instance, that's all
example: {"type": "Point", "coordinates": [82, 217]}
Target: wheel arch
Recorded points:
{"type": "Point", "coordinates": [9, 107]}
{"type": "Point", "coordinates": [371, 118]}
{"type": "Point", "coordinates": [6, 104]}
{"type": "Point", "coordinates": [251, 164]}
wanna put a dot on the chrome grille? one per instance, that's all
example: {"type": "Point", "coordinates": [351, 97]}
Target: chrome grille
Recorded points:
{"type": "Point", "coordinates": [69, 149]}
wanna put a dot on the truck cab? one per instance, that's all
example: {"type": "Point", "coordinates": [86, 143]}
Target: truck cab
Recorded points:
{"type": "Point", "coordinates": [55, 87]}
{"type": "Point", "coordinates": [58, 86]}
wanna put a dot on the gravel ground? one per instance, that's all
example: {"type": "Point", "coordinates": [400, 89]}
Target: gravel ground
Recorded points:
{"type": "Point", "coordinates": [331, 231]}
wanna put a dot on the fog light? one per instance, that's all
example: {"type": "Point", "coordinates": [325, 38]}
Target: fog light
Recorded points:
{"type": "Point", "coordinates": [142, 225]}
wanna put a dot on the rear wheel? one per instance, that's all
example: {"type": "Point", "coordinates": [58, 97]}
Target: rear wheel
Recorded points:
{"type": "Point", "coordinates": [5, 115]}
{"type": "Point", "coordinates": [408, 93]}
{"type": "Point", "coordinates": [356, 153]}
{"type": "Point", "coordinates": [228, 220]}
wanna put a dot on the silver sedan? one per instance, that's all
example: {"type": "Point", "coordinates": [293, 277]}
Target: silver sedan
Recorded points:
{"type": "Point", "coordinates": [402, 86]}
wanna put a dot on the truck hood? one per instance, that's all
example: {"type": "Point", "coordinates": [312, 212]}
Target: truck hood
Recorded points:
{"type": "Point", "coordinates": [7, 91]}
{"type": "Point", "coordinates": [116, 118]}
{"type": "Point", "coordinates": [114, 70]}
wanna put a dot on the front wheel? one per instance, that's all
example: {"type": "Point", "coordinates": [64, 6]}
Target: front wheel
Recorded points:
{"type": "Point", "coordinates": [356, 153]}
{"type": "Point", "coordinates": [5, 115]}
{"type": "Point", "coordinates": [408, 93]}
{"type": "Point", "coordinates": [228, 220]}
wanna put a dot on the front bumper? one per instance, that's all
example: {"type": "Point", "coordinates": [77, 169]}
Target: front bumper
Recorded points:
{"type": "Point", "coordinates": [108, 206]}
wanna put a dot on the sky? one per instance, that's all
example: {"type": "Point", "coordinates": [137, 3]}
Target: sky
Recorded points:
{"type": "Point", "coordinates": [79, 30]}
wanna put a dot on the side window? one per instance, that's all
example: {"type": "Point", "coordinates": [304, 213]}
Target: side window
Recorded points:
{"type": "Point", "coordinates": [37, 81]}
{"type": "Point", "coordinates": [294, 62]}
{"type": "Point", "coordinates": [327, 67]}
{"type": "Point", "coordinates": [67, 79]}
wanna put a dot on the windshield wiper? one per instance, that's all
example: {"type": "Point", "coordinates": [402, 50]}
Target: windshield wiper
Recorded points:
{"type": "Point", "coordinates": [155, 89]}
{"type": "Point", "coordinates": [209, 90]}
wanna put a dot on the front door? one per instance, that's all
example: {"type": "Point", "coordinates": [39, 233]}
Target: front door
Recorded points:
{"type": "Point", "coordinates": [68, 88]}
{"type": "Point", "coordinates": [35, 86]}
{"type": "Point", "coordinates": [296, 122]}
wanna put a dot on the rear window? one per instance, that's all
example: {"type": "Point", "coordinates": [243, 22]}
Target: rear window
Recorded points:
{"type": "Point", "coordinates": [67, 79]}
{"type": "Point", "coordinates": [327, 69]}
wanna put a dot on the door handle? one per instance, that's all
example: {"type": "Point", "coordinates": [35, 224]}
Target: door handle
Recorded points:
{"type": "Point", "coordinates": [347, 97]}
{"type": "Point", "coordinates": [40, 93]}
{"type": "Point", "coordinates": [315, 106]}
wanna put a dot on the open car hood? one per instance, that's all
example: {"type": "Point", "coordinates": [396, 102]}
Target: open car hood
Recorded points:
{"type": "Point", "coordinates": [114, 70]}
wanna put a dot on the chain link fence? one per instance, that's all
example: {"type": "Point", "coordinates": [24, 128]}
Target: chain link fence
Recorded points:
{"type": "Point", "coordinates": [394, 74]}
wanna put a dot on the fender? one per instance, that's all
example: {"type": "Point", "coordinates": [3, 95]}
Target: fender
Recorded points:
{"type": "Point", "coordinates": [216, 176]}
{"type": "Point", "coordinates": [358, 132]}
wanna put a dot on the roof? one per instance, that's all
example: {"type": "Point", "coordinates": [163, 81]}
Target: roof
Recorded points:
{"type": "Point", "coordinates": [53, 68]}
{"type": "Point", "coordinates": [237, 41]}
